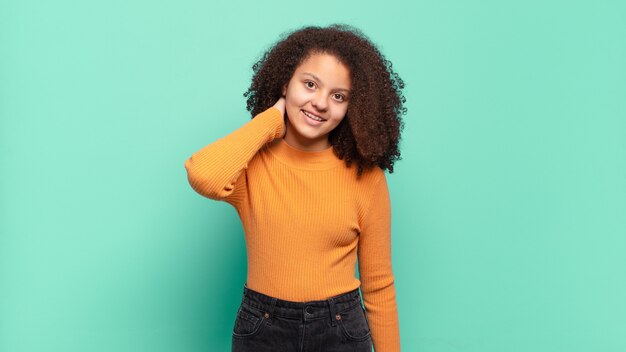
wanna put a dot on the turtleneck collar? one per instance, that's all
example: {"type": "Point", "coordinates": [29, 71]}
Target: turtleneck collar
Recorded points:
{"type": "Point", "coordinates": [318, 160]}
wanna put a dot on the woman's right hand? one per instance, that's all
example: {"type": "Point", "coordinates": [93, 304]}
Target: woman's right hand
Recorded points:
{"type": "Point", "coordinates": [280, 105]}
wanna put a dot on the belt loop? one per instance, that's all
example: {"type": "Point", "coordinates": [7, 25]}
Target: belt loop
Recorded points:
{"type": "Point", "coordinates": [333, 312]}
{"type": "Point", "coordinates": [271, 311]}
{"type": "Point", "coordinates": [243, 296]}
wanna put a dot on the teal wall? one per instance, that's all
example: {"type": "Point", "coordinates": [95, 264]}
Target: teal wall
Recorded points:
{"type": "Point", "coordinates": [509, 206]}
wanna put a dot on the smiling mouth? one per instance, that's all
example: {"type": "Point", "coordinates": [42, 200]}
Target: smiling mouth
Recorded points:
{"type": "Point", "coordinates": [312, 116]}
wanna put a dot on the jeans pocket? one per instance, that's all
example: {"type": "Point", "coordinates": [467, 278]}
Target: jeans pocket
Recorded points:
{"type": "Point", "coordinates": [249, 322]}
{"type": "Point", "coordinates": [354, 323]}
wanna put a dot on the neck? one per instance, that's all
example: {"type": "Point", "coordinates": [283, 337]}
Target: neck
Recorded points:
{"type": "Point", "coordinates": [308, 145]}
{"type": "Point", "coordinates": [301, 159]}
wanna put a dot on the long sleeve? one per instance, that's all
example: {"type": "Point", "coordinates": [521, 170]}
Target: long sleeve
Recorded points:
{"type": "Point", "coordinates": [215, 170]}
{"type": "Point", "coordinates": [377, 280]}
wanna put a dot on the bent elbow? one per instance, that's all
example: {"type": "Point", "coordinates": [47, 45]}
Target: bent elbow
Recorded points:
{"type": "Point", "coordinates": [210, 182]}
{"type": "Point", "coordinates": [206, 182]}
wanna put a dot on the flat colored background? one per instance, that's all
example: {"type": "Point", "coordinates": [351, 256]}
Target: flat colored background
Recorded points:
{"type": "Point", "coordinates": [509, 206]}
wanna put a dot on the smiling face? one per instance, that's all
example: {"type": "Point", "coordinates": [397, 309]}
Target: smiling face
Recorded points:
{"type": "Point", "coordinates": [316, 101]}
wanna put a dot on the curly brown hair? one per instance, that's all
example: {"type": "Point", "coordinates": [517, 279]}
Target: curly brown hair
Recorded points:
{"type": "Point", "coordinates": [370, 132]}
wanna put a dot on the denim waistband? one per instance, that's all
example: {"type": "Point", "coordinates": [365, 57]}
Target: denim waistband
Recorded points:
{"type": "Point", "coordinates": [311, 310]}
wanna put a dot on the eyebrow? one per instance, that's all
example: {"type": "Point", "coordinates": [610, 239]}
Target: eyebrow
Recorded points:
{"type": "Point", "coordinates": [319, 80]}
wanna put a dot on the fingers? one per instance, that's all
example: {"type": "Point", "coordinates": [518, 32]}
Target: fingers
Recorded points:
{"type": "Point", "coordinates": [280, 105]}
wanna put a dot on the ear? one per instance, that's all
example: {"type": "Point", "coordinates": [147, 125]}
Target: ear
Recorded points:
{"type": "Point", "coordinates": [285, 89]}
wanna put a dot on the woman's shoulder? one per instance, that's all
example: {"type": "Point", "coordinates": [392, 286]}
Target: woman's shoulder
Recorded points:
{"type": "Point", "coordinates": [374, 172]}
{"type": "Point", "coordinates": [370, 176]}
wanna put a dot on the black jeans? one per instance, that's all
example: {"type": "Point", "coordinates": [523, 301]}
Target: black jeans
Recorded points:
{"type": "Point", "coordinates": [267, 324]}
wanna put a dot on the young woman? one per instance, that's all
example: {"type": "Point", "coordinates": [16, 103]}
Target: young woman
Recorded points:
{"type": "Point", "coordinates": [306, 176]}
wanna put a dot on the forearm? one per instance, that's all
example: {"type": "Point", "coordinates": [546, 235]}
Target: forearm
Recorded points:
{"type": "Point", "coordinates": [214, 170]}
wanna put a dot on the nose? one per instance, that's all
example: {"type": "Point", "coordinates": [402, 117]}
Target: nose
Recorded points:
{"type": "Point", "coordinates": [319, 102]}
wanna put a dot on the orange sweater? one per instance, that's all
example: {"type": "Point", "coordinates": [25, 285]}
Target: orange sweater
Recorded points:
{"type": "Point", "coordinates": [306, 216]}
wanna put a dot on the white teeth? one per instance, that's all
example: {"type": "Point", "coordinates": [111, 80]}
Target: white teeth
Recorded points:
{"type": "Point", "coordinates": [312, 116]}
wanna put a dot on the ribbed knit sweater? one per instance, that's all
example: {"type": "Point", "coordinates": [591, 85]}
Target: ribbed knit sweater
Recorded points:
{"type": "Point", "coordinates": [306, 216]}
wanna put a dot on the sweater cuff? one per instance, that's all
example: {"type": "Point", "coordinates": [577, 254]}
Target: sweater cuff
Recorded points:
{"type": "Point", "coordinates": [275, 119]}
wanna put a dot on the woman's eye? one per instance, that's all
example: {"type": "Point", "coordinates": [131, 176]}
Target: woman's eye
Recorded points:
{"type": "Point", "coordinates": [310, 84]}
{"type": "Point", "coordinates": [339, 97]}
